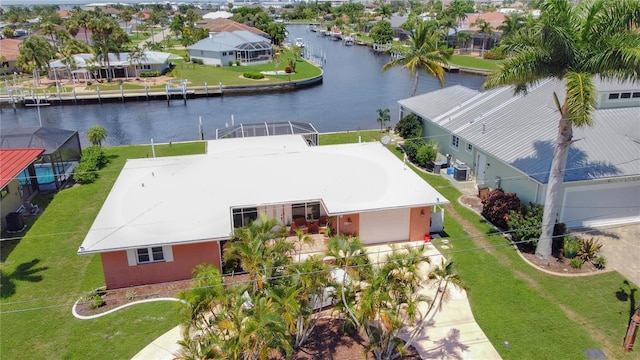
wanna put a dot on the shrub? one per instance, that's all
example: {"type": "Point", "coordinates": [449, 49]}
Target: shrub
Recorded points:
{"type": "Point", "coordinates": [496, 207]}
{"type": "Point", "coordinates": [131, 294]}
{"type": "Point", "coordinates": [89, 83]}
{"type": "Point", "coordinates": [427, 153]}
{"type": "Point", "coordinates": [571, 247]}
{"type": "Point", "coordinates": [600, 262]}
{"type": "Point", "coordinates": [238, 63]}
{"type": "Point", "coordinates": [411, 148]}
{"type": "Point", "coordinates": [85, 173]}
{"type": "Point", "coordinates": [95, 155]}
{"type": "Point", "coordinates": [588, 249]}
{"type": "Point", "coordinates": [150, 74]}
{"type": "Point", "coordinates": [525, 224]}
{"type": "Point", "coordinates": [253, 75]}
{"type": "Point", "coordinates": [494, 54]}
{"type": "Point", "coordinates": [576, 263]}
{"type": "Point", "coordinates": [197, 61]}
{"type": "Point", "coordinates": [287, 70]}
{"type": "Point", "coordinates": [94, 299]}
{"type": "Point", "coordinates": [409, 127]}
{"type": "Point", "coordinates": [230, 63]}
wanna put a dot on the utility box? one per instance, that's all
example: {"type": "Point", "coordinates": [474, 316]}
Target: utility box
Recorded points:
{"type": "Point", "coordinates": [460, 172]}
{"type": "Point", "coordinates": [438, 165]}
{"type": "Point", "coordinates": [483, 191]}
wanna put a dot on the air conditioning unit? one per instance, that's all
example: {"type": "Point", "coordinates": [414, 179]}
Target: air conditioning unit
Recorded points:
{"type": "Point", "coordinates": [461, 172]}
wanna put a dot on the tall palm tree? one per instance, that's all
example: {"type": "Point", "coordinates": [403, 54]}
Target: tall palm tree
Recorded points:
{"type": "Point", "coordinates": [137, 56]}
{"type": "Point", "coordinates": [511, 24]}
{"type": "Point", "coordinates": [484, 28]}
{"type": "Point", "coordinates": [102, 48]}
{"type": "Point", "coordinates": [444, 275]}
{"type": "Point", "coordinates": [463, 38]}
{"type": "Point", "coordinates": [423, 54]}
{"type": "Point", "coordinates": [96, 135]}
{"type": "Point", "coordinates": [34, 54]}
{"type": "Point", "coordinates": [572, 43]}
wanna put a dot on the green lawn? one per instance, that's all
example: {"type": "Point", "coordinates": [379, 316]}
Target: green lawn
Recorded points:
{"type": "Point", "coordinates": [475, 63]}
{"type": "Point", "coordinates": [541, 316]}
{"type": "Point", "coordinates": [350, 137]}
{"type": "Point", "coordinates": [43, 276]}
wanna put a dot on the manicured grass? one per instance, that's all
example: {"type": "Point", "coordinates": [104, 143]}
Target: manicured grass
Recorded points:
{"type": "Point", "coordinates": [350, 137]}
{"type": "Point", "coordinates": [475, 62]}
{"type": "Point", "coordinates": [43, 276]}
{"type": "Point", "coordinates": [541, 316]}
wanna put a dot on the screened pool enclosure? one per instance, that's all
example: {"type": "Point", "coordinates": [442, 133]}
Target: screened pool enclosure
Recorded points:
{"type": "Point", "coordinates": [55, 167]}
{"type": "Point", "coordinates": [269, 129]}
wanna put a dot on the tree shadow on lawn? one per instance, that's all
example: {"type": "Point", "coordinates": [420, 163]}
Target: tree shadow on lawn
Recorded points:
{"type": "Point", "coordinates": [627, 292]}
{"type": "Point", "coordinates": [23, 272]}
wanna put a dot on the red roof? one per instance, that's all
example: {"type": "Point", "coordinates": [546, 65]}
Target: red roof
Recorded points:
{"type": "Point", "coordinates": [13, 161]}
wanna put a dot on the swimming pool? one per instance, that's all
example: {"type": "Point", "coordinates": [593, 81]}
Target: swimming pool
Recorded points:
{"type": "Point", "coordinates": [44, 173]}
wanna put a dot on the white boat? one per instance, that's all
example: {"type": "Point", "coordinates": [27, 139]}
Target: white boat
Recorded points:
{"type": "Point", "coordinates": [299, 42]}
{"type": "Point", "coordinates": [348, 41]}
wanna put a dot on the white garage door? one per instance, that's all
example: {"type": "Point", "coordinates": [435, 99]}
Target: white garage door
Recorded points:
{"type": "Point", "coordinates": [604, 204]}
{"type": "Point", "coordinates": [384, 226]}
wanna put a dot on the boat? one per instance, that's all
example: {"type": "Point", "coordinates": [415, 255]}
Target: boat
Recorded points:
{"type": "Point", "coordinates": [299, 42]}
{"type": "Point", "coordinates": [336, 34]}
{"type": "Point", "coordinates": [348, 41]}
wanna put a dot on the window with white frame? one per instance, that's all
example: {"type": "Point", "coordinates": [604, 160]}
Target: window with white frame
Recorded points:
{"type": "Point", "coordinates": [469, 147]}
{"type": "Point", "coordinates": [146, 67]}
{"type": "Point", "coordinates": [148, 255]}
{"type": "Point", "coordinates": [151, 254]}
{"type": "Point", "coordinates": [455, 141]}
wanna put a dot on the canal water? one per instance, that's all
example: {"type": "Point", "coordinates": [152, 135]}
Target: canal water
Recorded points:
{"type": "Point", "coordinates": [354, 87]}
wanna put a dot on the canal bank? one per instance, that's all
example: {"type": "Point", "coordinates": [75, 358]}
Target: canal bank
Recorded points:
{"type": "Point", "coordinates": [74, 97]}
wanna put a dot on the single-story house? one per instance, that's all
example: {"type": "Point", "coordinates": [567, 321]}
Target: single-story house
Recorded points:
{"type": "Point", "coordinates": [62, 152]}
{"type": "Point", "coordinates": [217, 15]}
{"type": "Point", "coordinates": [221, 48]}
{"type": "Point", "coordinates": [166, 215]}
{"type": "Point", "coordinates": [221, 25]}
{"type": "Point", "coordinates": [506, 141]}
{"type": "Point", "coordinates": [121, 65]}
{"type": "Point", "coordinates": [9, 50]}
{"type": "Point", "coordinates": [15, 166]}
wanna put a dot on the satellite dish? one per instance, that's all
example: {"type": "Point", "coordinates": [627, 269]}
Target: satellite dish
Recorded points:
{"type": "Point", "coordinates": [385, 140]}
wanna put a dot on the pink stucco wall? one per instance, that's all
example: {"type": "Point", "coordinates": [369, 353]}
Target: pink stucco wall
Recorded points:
{"type": "Point", "coordinates": [419, 224]}
{"type": "Point", "coordinates": [119, 274]}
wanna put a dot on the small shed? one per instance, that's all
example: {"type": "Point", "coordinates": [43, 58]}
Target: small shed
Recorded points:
{"type": "Point", "coordinates": [62, 153]}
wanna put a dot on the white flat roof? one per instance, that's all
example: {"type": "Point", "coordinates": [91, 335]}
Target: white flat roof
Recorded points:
{"type": "Point", "coordinates": [188, 199]}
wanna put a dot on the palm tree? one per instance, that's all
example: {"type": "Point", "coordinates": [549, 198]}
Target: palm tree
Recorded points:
{"type": "Point", "coordinates": [96, 135]}
{"type": "Point", "coordinates": [572, 43]}
{"type": "Point", "coordinates": [445, 275]}
{"type": "Point", "coordinates": [383, 117]}
{"type": "Point", "coordinates": [260, 247]}
{"type": "Point", "coordinates": [137, 56]}
{"type": "Point", "coordinates": [463, 38]}
{"type": "Point", "coordinates": [423, 54]}
{"type": "Point", "coordinates": [511, 25]}
{"type": "Point", "coordinates": [102, 48]}
{"type": "Point", "coordinates": [484, 28]}
{"type": "Point", "coordinates": [34, 54]}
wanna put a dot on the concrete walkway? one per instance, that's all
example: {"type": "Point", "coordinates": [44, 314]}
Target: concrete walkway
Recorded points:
{"type": "Point", "coordinates": [451, 333]}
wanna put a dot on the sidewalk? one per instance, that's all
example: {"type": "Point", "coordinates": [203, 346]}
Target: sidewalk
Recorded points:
{"type": "Point", "coordinates": [451, 333]}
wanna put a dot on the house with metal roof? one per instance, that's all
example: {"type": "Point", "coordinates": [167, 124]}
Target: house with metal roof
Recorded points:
{"type": "Point", "coordinates": [506, 141]}
{"type": "Point", "coordinates": [121, 65]}
{"type": "Point", "coordinates": [16, 166]}
{"type": "Point", "coordinates": [166, 215]}
{"type": "Point", "coordinates": [229, 47]}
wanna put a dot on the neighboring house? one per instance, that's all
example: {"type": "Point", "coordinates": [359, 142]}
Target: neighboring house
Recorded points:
{"type": "Point", "coordinates": [164, 216]}
{"type": "Point", "coordinates": [507, 142]}
{"type": "Point", "coordinates": [9, 50]}
{"type": "Point", "coordinates": [121, 65]}
{"type": "Point", "coordinates": [16, 165]}
{"type": "Point", "coordinates": [55, 166]}
{"type": "Point", "coordinates": [221, 48]}
{"type": "Point", "coordinates": [221, 25]}
{"type": "Point", "coordinates": [217, 15]}
{"type": "Point", "coordinates": [84, 35]}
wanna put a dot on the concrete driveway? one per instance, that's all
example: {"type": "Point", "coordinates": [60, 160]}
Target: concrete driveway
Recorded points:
{"type": "Point", "coordinates": [621, 247]}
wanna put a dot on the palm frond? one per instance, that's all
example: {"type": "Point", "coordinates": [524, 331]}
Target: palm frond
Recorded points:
{"type": "Point", "coordinates": [580, 100]}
